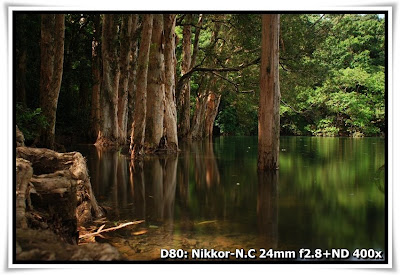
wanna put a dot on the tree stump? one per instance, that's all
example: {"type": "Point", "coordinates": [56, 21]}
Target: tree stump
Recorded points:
{"type": "Point", "coordinates": [58, 174]}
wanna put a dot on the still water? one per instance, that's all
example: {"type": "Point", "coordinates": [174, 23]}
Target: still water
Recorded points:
{"type": "Point", "coordinates": [328, 193]}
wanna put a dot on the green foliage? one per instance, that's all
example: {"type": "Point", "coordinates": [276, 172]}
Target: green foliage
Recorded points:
{"type": "Point", "coordinates": [337, 83]}
{"type": "Point", "coordinates": [30, 122]}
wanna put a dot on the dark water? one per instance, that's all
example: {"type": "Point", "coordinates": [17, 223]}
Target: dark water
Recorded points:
{"type": "Point", "coordinates": [328, 193]}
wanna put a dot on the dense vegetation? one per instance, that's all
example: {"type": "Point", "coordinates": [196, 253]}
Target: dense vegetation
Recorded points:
{"type": "Point", "coordinates": [332, 73]}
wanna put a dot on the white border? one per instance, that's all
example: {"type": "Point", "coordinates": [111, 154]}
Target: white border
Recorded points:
{"type": "Point", "coordinates": [161, 267]}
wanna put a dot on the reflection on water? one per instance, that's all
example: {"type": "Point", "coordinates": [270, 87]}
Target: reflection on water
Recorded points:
{"type": "Point", "coordinates": [328, 193]}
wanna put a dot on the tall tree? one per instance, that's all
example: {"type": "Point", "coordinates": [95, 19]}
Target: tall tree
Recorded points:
{"type": "Point", "coordinates": [124, 55]}
{"type": "Point", "coordinates": [133, 70]}
{"type": "Point", "coordinates": [155, 87]}
{"type": "Point", "coordinates": [170, 119]}
{"type": "Point", "coordinates": [268, 116]}
{"type": "Point", "coordinates": [139, 121]}
{"type": "Point", "coordinates": [51, 70]}
{"type": "Point", "coordinates": [108, 134]}
{"type": "Point", "coordinates": [184, 93]}
{"type": "Point", "coordinates": [96, 76]}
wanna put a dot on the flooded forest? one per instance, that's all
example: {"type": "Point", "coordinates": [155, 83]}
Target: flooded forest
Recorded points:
{"type": "Point", "coordinates": [199, 137]}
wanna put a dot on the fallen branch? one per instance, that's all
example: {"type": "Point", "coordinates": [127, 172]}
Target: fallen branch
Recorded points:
{"type": "Point", "coordinates": [101, 230]}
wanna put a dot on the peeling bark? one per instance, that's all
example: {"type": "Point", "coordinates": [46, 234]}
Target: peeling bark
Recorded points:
{"type": "Point", "coordinates": [170, 119]}
{"type": "Point", "coordinates": [184, 94]}
{"type": "Point", "coordinates": [155, 87]}
{"type": "Point", "coordinates": [124, 55]}
{"type": "Point", "coordinates": [139, 121]}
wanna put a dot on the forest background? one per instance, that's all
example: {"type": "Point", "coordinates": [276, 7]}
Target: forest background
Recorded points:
{"type": "Point", "coordinates": [332, 75]}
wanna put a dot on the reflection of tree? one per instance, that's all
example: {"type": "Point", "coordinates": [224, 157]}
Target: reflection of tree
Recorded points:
{"type": "Point", "coordinates": [111, 175]}
{"type": "Point", "coordinates": [267, 207]}
{"type": "Point", "coordinates": [169, 180]}
{"type": "Point", "coordinates": [154, 185]}
{"type": "Point", "coordinates": [206, 169]}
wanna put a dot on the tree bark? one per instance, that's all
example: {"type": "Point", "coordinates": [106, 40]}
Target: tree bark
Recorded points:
{"type": "Point", "coordinates": [51, 70]}
{"type": "Point", "coordinates": [170, 119]}
{"type": "Point", "coordinates": [268, 116]}
{"type": "Point", "coordinates": [197, 125]}
{"type": "Point", "coordinates": [132, 72]}
{"type": "Point", "coordinates": [96, 76]}
{"type": "Point", "coordinates": [108, 134]}
{"type": "Point", "coordinates": [139, 121]}
{"type": "Point", "coordinates": [184, 94]}
{"type": "Point", "coordinates": [124, 54]}
{"type": "Point", "coordinates": [213, 101]}
{"type": "Point", "coordinates": [155, 87]}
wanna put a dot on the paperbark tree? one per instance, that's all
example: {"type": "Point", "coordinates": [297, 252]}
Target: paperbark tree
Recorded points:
{"type": "Point", "coordinates": [108, 133]}
{"type": "Point", "coordinates": [268, 116]}
{"type": "Point", "coordinates": [96, 76]}
{"type": "Point", "coordinates": [51, 70]}
{"type": "Point", "coordinates": [133, 71]}
{"type": "Point", "coordinates": [184, 94]}
{"type": "Point", "coordinates": [155, 87]}
{"type": "Point", "coordinates": [124, 55]}
{"type": "Point", "coordinates": [170, 119]}
{"type": "Point", "coordinates": [139, 121]}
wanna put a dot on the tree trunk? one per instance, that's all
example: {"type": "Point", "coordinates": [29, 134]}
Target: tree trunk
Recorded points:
{"type": "Point", "coordinates": [132, 72]}
{"type": "Point", "coordinates": [184, 94]}
{"type": "Point", "coordinates": [96, 76]}
{"type": "Point", "coordinates": [51, 70]}
{"type": "Point", "coordinates": [124, 54]}
{"type": "Point", "coordinates": [268, 116]}
{"type": "Point", "coordinates": [170, 119]}
{"type": "Point", "coordinates": [139, 114]}
{"type": "Point", "coordinates": [108, 134]}
{"type": "Point", "coordinates": [197, 125]}
{"type": "Point", "coordinates": [155, 87]}
{"type": "Point", "coordinates": [213, 101]}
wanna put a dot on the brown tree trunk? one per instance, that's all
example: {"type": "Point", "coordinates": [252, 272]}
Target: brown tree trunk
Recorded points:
{"type": "Point", "coordinates": [197, 125]}
{"type": "Point", "coordinates": [170, 119]}
{"type": "Point", "coordinates": [108, 134]}
{"type": "Point", "coordinates": [51, 69]}
{"type": "Point", "coordinates": [155, 87]}
{"type": "Point", "coordinates": [132, 72]}
{"type": "Point", "coordinates": [268, 116]}
{"type": "Point", "coordinates": [96, 76]}
{"type": "Point", "coordinates": [124, 55]}
{"type": "Point", "coordinates": [184, 94]}
{"type": "Point", "coordinates": [213, 101]}
{"type": "Point", "coordinates": [139, 121]}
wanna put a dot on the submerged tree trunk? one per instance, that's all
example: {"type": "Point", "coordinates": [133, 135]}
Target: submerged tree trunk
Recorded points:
{"type": "Point", "coordinates": [213, 101]}
{"type": "Point", "coordinates": [170, 119]}
{"type": "Point", "coordinates": [139, 121]}
{"type": "Point", "coordinates": [51, 70]}
{"type": "Point", "coordinates": [155, 87]}
{"type": "Point", "coordinates": [132, 72]}
{"type": "Point", "coordinates": [268, 116]}
{"type": "Point", "coordinates": [96, 76]}
{"type": "Point", "coordinates": [184, 94]}
{"type": "Point", "coordinates": [124, 55]}
{"type": "Point", "coordinates": [108, 134]}
{"type": "Point", "coordinates": [197, 125]}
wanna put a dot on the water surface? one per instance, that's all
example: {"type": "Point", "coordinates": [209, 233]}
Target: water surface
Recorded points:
{"type": "Point", "coordinates": [328, 193]}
